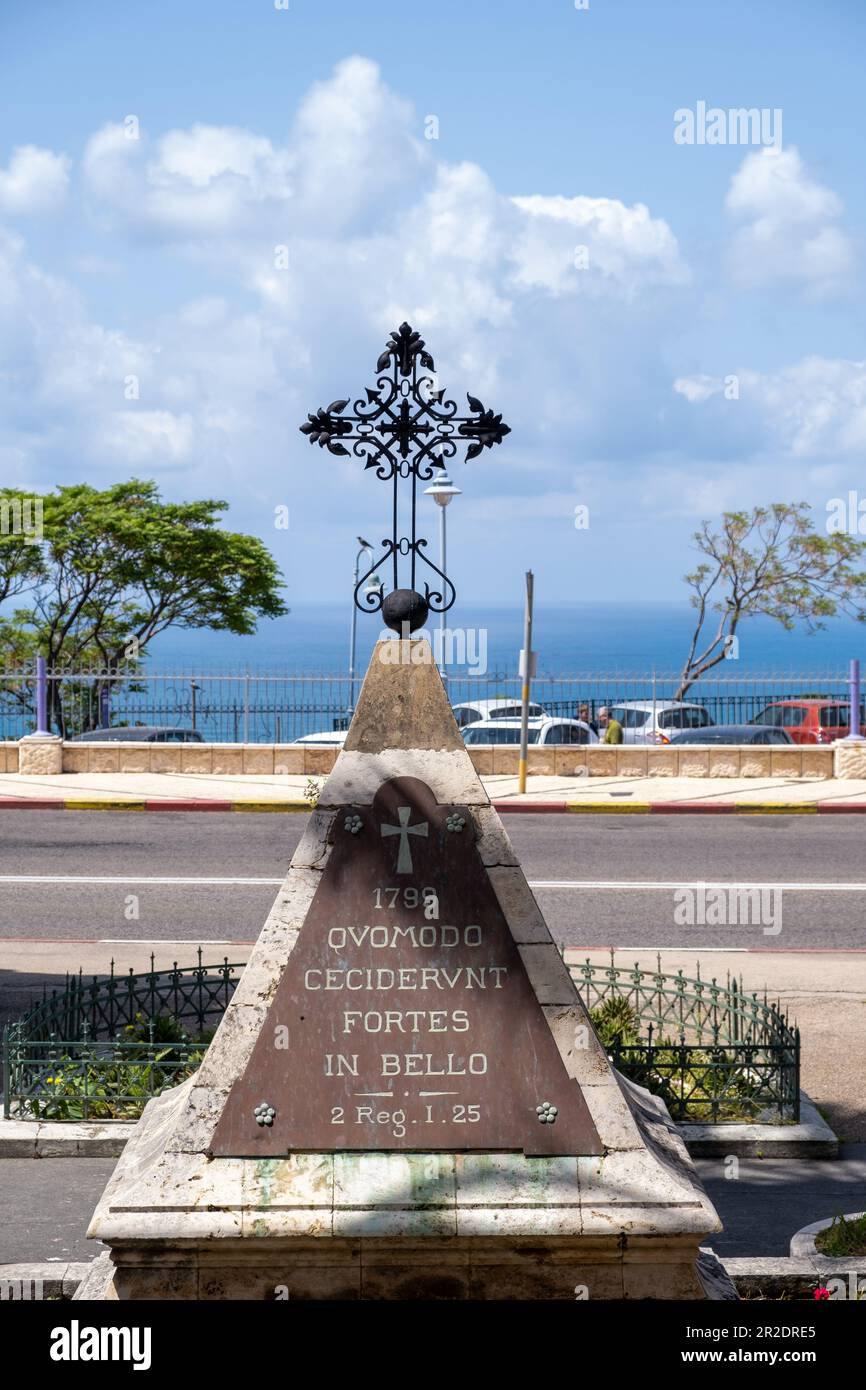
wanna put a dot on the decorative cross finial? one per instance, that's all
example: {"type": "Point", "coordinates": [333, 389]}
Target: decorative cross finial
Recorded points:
{"type": "Point", "coordinates": [405, 428]}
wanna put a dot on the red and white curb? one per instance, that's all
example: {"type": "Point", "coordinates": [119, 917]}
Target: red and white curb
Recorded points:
{"type": "Point", "coordinates": [504, 806]}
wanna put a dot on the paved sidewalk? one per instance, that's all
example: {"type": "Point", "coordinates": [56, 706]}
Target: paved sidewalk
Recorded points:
{"type": "Point", "coordinates": [188, 791]}
{"type": "Point", "coordinates": [47, 1206]}
{"type": "Point", "coordinates": [772, 1199]}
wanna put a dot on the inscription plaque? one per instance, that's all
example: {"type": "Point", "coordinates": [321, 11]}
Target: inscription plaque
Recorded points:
{"type": "Point", "coordinates": [405, 1018]}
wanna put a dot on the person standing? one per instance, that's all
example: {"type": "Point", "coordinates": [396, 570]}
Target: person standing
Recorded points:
{"type": "Point", "coordinates": [583, 714]}
{"type": "Point", "coordinates": [612, 727]}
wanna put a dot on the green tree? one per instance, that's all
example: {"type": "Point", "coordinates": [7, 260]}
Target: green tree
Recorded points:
{"type": "Point", "coordinates": [768, 561]}
{"type": "Point", "coordinates": [117, 567]}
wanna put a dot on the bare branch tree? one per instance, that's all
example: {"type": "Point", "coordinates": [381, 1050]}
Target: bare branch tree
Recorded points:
{"type": "Point", "coordinates": [771, 562]}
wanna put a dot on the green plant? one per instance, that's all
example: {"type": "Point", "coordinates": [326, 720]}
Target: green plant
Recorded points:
{"type": "Point", "coordinates": [616, 1020]}
{"type": "Point", "coordinates": [312, 791]}
{"type": "Point", "coordinates": [843, 1237]}
{"type": "Point", "coordinates": [694, 1084]}
{"type": "Point", "coordinates": [107, 1088]}
{"type": "Point", "coordinates": [108, 1082]}
{"type": "Point", "coordinates": [159, 1030]}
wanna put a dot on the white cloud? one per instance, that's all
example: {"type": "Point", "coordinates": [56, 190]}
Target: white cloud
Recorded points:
{"type": "Point", "coordinates": [203, 154]}
{"type": "Point", "coordinates": [816, 408]}
{"type": "Point", "coordinates": [698, 388]}
{"type": "Point", "coordinates": [515, 507]}
{"type": "Point", "coordinates": [148, 439]}
{"type": "Point", "coordinates": [355, 147]}
{"type": "Point", "coordinates": [812, 410]}
{"type": "Point", "coordinates": [379, 227]}
{"type": "Point", "coordinates": [566, 241]}
{"type": "Point", "coordinates": [208, 181]}
{"type": "Point", "coordinates": [352, 153]}
{"type": "Point", "coordinates": [787, 228]}
{"type": "Point", "coordinates": [35, 181]}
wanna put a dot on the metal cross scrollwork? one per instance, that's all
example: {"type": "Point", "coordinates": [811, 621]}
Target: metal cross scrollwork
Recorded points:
{"type": "Point", "coordinates": [405, 429]}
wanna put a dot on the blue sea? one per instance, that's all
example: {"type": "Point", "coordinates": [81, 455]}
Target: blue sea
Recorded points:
{"type": "Point", "coordinates": [290, 678]}
{"type": "Point", "coordinates": [570, 638]}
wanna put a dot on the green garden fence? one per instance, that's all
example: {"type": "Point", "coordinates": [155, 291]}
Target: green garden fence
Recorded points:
{"type": "Point", "coordinates": [101, 1047]}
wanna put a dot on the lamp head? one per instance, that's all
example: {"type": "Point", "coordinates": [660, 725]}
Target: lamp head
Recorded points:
{"type": "Point", "coordinates": [443, 490]}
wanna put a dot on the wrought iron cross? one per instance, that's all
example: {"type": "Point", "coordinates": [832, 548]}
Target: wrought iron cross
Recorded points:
{"type": "Point", "coordinates": [405, 428]}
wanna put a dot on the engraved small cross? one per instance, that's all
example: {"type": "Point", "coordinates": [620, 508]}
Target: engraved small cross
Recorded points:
{"type": "Point", "coordinates": [404, 830]}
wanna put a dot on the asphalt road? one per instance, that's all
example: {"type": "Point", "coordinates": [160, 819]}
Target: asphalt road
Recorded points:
{"type": "Point", "coordinates": [601, 880]}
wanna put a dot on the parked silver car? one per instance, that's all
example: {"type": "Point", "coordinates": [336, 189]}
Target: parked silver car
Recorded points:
{"type": "Point", "coordinates": [656, 721]}
{"type": "Point", "coordinates": [501, 707]}
{"type": "Point", "coordinates": [540, 732]}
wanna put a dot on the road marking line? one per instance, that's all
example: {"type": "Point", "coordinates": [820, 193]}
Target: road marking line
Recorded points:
{"type": "Point", "coordinates": [646, 886]}
{"type": "Point", "coordinates": [680, 950]}
{"type": "Point", "coordinates": [135, 878]}
{"type": "Point", "coordinates": [606, 884]}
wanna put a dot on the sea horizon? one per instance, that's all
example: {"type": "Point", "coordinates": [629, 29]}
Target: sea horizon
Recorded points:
{"type": "Point", "coordinates": [571, 637]}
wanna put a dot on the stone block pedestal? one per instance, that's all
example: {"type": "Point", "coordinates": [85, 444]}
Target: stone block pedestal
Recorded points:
{"type": "Point", "coordinates": [560, 1269]}
{"type": "Point", "coordinates": [849, 759]}
{"type": "Point", "coordinates": [405, 1098]}
{"type": "Point", "coordinates": [40, 755]}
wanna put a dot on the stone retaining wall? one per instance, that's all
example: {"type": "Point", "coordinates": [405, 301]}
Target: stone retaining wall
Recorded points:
{"type": "Point", "coordinates": [595, 760]}
{"type": "Point", "coordinates": [8, 757]}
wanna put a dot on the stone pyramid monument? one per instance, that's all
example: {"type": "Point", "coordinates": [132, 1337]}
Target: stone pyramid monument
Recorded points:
{"type": "Point", "coordinates": [405, 1098]}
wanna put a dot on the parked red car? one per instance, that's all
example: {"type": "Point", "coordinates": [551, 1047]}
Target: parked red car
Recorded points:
{"type": "Point", "coordinates": [809, 721]}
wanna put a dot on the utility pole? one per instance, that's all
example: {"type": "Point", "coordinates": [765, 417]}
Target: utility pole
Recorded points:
{"type": "Point", "coordinates": [364, 546]}
{"type": "Point", "coordinates": [855, 733]}
{"type": "Point", "coordinates": [526, 671]}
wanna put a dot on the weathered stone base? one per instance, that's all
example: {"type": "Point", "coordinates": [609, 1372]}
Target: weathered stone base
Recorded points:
{"type": "Point", "coordinates": [618, 1215]}
{"type": "Point", "coordinates": [557, 1268]}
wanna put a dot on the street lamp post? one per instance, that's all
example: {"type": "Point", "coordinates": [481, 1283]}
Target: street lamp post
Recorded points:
{"type": "Point", "coordinates": [374, 585]}
{"type": "Point", "coordinates": [442, 491]}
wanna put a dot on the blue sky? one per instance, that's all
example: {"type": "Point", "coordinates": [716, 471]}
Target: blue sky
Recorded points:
{"type": "Point", "coordinates": [153, 259]}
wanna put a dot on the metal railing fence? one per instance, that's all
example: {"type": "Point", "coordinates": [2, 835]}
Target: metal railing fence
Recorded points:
{"type": "Point", "coordinates": [713, 1051]}
{"type": "Point", "coordinates": [100, 1048]}
{"type": "Point", "coordinates": [262, 707]}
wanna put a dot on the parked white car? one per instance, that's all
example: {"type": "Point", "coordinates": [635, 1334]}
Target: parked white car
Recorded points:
{"type": "Point", "coordinates": [502, 707]}
{"type": "Point", "coordinates": [334, 738]}
{"type": "Point", "coordinates": [544, 732]}
{"type": "Point", "coordinates": [657, 721]}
